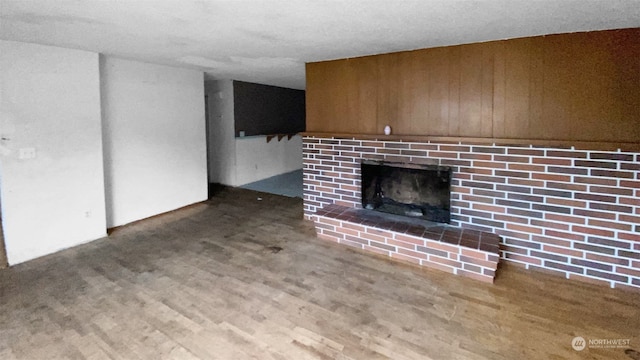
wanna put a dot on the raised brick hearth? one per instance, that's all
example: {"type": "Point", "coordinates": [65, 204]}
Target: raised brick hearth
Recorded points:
{"type": "Point", "coordinates": [575, 212]}
{"type": "Point", "coordinates": [466, 252]}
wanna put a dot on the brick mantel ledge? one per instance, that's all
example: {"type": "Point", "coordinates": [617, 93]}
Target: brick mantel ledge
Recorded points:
{"type": "Point", "coordinates": [566, 144]}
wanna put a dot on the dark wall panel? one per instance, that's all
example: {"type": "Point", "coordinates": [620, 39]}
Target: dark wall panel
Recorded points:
{"type": "Point", "coordinates": [264, 110]}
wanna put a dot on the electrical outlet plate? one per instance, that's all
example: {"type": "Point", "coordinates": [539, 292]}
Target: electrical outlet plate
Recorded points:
{"type": "Point", "coordinates": [27, 153]}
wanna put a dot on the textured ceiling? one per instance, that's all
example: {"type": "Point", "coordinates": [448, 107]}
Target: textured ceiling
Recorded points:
{"type": "Point", "coordinates": [268, 41]}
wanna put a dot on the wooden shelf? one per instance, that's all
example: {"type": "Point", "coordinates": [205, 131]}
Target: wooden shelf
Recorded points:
{"type": "Point", "coordinates": [280, 136]}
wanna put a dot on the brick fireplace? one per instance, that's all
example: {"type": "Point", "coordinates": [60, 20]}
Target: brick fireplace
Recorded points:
{"type": "Point", "coordinates": [570, 211]}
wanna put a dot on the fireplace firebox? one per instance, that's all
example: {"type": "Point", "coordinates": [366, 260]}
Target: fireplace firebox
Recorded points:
{"type": "Point", "coordinates": [417, 191]}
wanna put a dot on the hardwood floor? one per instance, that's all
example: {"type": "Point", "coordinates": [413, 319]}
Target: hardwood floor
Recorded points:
{"type": "Point", "coordinates": [242, 278]}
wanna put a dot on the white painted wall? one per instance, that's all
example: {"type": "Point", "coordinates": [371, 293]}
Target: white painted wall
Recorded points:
{"type": "Point", "coordinates": [154, 138]}
{"type": "Point", "coordinates": [239, 161]}
{"type": "Point", "coordinates": [221, 129]}
{"type": "Point", "coordinates": [50, 102]}
{"type": "Point", "coordinates": [258, 159]}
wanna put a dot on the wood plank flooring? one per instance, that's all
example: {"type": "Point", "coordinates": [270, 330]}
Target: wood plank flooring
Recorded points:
{"type": "Point", "coordinates": [242, 278]}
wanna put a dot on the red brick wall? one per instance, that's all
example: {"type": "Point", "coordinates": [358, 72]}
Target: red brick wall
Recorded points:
{"type": "Point", "coordinates": [574, 212]}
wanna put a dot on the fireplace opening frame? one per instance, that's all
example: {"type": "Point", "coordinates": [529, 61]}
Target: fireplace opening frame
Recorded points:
{"type": "Point", "coordinates": [413, 190]}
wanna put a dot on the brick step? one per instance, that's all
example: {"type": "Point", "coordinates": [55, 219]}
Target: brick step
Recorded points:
{"type": "Point", "coordinates": [459, 251]}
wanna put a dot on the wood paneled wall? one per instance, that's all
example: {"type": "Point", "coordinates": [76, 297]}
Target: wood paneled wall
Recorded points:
{"type": "Point", "coordinates": [579, 86]}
